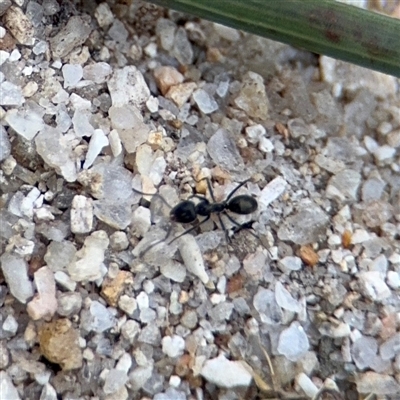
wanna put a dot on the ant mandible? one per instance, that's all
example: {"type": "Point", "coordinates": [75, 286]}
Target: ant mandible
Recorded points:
{"type": "Point", "coordinates": [187, 211]}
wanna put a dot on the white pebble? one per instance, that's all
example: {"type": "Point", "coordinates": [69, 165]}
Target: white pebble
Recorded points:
{"type": "Point", "coordinates": [192, 257]}
{"type": "Point", "coordinates": [225, 373]}
{"type": "Point", "coordinates": [306, 384]}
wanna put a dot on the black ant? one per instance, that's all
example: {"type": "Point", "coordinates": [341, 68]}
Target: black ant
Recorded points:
{"type": "Point", "coordinates": [187, 211]}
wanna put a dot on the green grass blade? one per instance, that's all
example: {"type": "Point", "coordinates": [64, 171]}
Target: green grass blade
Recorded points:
{"type": "Point", "coordinates": [322, 26]}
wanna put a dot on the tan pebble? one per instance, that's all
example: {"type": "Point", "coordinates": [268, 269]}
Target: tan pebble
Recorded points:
{"type": "Point", "coordinates": [155, 139]}
{"type": "Point", "coordinates": [183, 297]}
{"type": "Point", "coordinates": [59, 343]}
{"type": "Point", "coordinates": [214, 55]}
{"type": "Point", "coordinates": [181, 93]}
{"type": "Point", "coordinates": [30, 89]}
{"type": "Point", "coordinates": [19, 26]}
{"type": "Point", "coordinates": [112, 289]}
{"type": "Point", "coordinates": [166, 77]}
{"type": "Point", "coordinates": [308, 255]}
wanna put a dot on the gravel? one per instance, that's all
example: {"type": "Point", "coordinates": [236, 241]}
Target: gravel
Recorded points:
{"type": "Point", "coordinates": [97, 301]}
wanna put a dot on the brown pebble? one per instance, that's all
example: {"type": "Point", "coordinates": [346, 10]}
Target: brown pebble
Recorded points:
{"type": "Point", "coordinates": [235, 284]}
{"type": "Point", "coordinates": [346, 239]}
{"type": "Point", "coordinates": [308, 255]}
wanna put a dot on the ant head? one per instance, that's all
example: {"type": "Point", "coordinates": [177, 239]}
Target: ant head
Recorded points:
{"type": "Point", "coordinates": [184, 212]}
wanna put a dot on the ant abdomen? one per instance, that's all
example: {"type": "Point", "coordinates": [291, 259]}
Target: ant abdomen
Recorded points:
{"type": "Point", "coordinates": [242, 204]}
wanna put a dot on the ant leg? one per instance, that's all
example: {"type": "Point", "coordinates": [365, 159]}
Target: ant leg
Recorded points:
{"type": "Point", "coordinates": [190, 229]}
{"type": "Point", "coordinates": [210, 189]}
{"type": "Point", "coordinates": [236, 189]}
{"type": "Point", "coordinates": [142, 253]}
{"type": "Point", "coordinates": [154, 195]}
{"type": "Point", "coordinates": [197, 196]}
{"type": "Point", "coordinates": [223, 227]}
{"type": "Point", "coordinates": [249, 227]}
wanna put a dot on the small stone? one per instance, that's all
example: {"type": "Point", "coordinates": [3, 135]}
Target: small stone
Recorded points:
{"type": "Point", "coordinates": [115, 143]}
{"type": "Point", "coordinates": [59, 254]}
{"type": "Point", "coordinates": [285, 300]}
{"type": "Point", "coordinates": [254, 133]}
{"type": "Point", "coordinates": [307, 225]}
{"type": "Point", "coordinates": [205, 101]}
{"type": "Point", "coordinates": [97, 318]}
{"type": "Point", "coordinates": [118, 32]}
{"type": "Point", "coordinates": [289, 263]}
{"type": "Point", "coordinates": [363, 351]}
{"type": "Point", "coordinates": [5, 145]}
{"type": "Point", "coordinates": [173, 270]}
{"type": "Point", "coordinates": [346, 184]}
{"type": "Point", "coordinates": [104, 15]}
{"type": "Point", "coordinates": [69, 304]}
{"type": "Point", "coordinates": [119, 241]}
{"type": "Point", "coordinates": [64, 280]}
{"type": "Point", "coordinates": [384, 153]}
{"type": "Point", "coordinates": [11, 95]}
{"type": "Point", "coordinates": [25, 123]}
{"type": "Point", "coordinates": [59, 343]}
{"type": "Point", "coordinates": [19, 25]}
{"type": "Point", "coordinates": [97, 72]}
{"type": "Point", "coordinates": [379, 384]}
{"type": "Point", "coordinates": [70, 37]}
{"type": "Point", "coordinates": [252, 97]}
{"type": "Point", "coordinates": [223, 151]}
{"type": "Point", "coordinates": [173, 346]}
{"type": "Point", "coordinates": [150, 334]}
{"type": "Point", "coordinates": [115, 380]}
{"type": "Point", "coordinates": [97, 142]}
{"type": "Point", "coordinates": [306, 385]}
{"type": "Point", "coordinates": [393, 279]}
{"type": "Point", "coordinates": [82, 123]}
{"type": "Point", "coordinates": [180, 93]}
{"type": "Point", "coordinates": [48, 393]}
{"type": "Point", "coordinates": [72, 74]}
{"type": "Point", "coordinates": [89, 260]}
{"type": "Point", "coordinates": [167, 77]}
{"type": "Point", "coordinates": [272, 191]}
{"type": "Point", "coordinates": [225, 373]}
{"type": "Point", "coordinates": [189, 319]}
{"type": "Point", "coordinates": [128, 122]}
{"type": "Point", "coordinates": [293, 342]}
{"type": "Point", "coordinates": [112, 289]}
{"type": "Point", "coordinates": [15, 271]}
{"type": "Point", "coordinates": [393, 138]}
{"type": "Point", "coordinates": [372, 189]}
{"type": "Point", "coordinates": [81, 214]}
{"type": "Point", "coordinates": [360, 236]}
{"type": "Point", "coordinates": [264, 302]}
{"type": "Point", "coordinates": [373, 286]}
{"type": "Point", "coordinates": [127, 86]}
{"type": "Point", "coordinates": [376, 213]}
{"type": "Point", "coordinates": [165, 30]}
{"type": "Point", "coordinates": [309, 256]}
{"type": "Point", "coordinates": [44, 304]}
{"type": "Point", "coordinates": [56, 151]}
{"type": "Point", "coordinates": [192, 257]}
{"type": "Point", "coordinates": [10, 325]}
{"type": "Point", "coordinates": [130, 330]}
{"type": "Point", "coordinates": [8, 390]}
{"type": "Point", "coordinates": [390, 348]}
{"type": "Point", "coordinates": [182, 48]}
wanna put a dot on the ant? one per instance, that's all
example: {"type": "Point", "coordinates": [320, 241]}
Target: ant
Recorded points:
{"type": "Point", "coordinates": [187, 211]}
